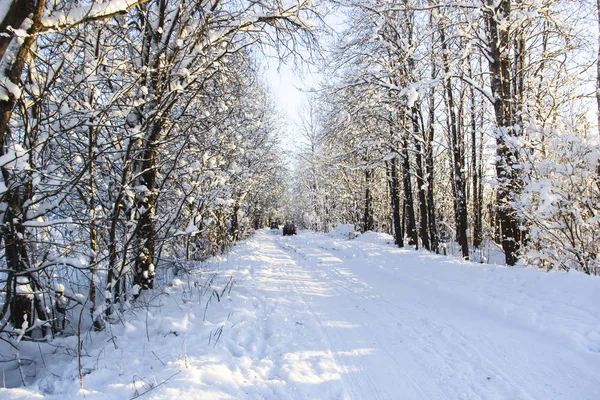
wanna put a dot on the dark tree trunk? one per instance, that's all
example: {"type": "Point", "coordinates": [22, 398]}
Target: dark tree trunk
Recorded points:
{"type": "Point", "coordinates": [423, 212]}
{"type": "Point", "coordinates": [14, 18]}
{"type": "Point", "coordinates": [20, 310]}
{"type": "Point", "coordinates": [145, 208]}
{"type": "Point", "coordinates": [411, 227]}
{"type": "Point", "coordinates": [457, 157]}
{"type": "Point", "coordinates": [476, 170]}
{"type": "Point", "coordinates": [409, 210]}
{"type": "Point", "coordinates": [93, 229]}
{"type": "Point", "coordinates": [394, 183]}
{"type": "Point", "coordinates": [92, 143]}
{"type": "Point", "coordinates": [368, 220]}
{"type": "Point", "coordinates": [18, 190]}
{"type": "Point", "coordinates": [429, 162]}
{"type": "Point", "coordinates": [235, 225]}
{"type": "Point", "coordinates": [145, 203]}
{"type": "Point", "coordinates": [507, 157]}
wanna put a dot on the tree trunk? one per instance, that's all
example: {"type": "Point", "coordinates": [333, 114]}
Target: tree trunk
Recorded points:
{"type": "Point", "coordinates": [395, 202]}
{"type": "Point", "coordinates": [145, 203]}
{"type": "Point", "coordinates": [92, 143]}
{"type": "Point", "coordinates": [13, 55]}
{"type": "Point", "coordinates": [14, 62]}
{"type": "Point", "coordinates": [429, 133]}
{"type": "Point", "coordinates": [457, 157]}
{"type": "Point", "coordinates": [113, 279]}
{"type": "Point", "coordinates": [409, 211]}
{"type": "Point", "coordinates": [421, 190]}
{"type": "Point", "coordinates": [368, 221]}
{"type": "Point", "coordinates": [507, 157]}
{"type": "Point", "coordinates": [235, 225]}
{"type": "Point", "coordinates": [475, 167]}
{"type": "Point", "coordinates": [93, 228]}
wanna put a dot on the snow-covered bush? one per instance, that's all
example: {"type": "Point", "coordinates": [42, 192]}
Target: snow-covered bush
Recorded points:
{"type": "Point", "coordinates": [561, 201]}
{"type": "Point", "coordinates": [344, 231]}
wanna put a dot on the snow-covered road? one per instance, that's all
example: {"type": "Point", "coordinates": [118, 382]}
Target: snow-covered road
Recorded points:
{"type": "Point", "coordinates": [401, 324]}
{"type": "Point", "coordinates": [320, 317]}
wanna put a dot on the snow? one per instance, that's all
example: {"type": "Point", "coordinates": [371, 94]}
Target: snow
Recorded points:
{"type": "Point", "coordinates": [412, 97]}
{"type": "Point", "coordinates": [14, 158]}
{"type": "Point", "coordinates": [76, 15]}
{"type": "Point", "coordinates": [343, 231]}
{"type": "Point", "coordinates": [23, 287]}
{"type": "Point", "coordinates": [9, 89]}
{"type": "Point", "coordinates": [322, 317]}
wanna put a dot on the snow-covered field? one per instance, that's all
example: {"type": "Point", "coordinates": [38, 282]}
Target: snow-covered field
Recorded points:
{"type": "Point", "coordinates": [323, 317]}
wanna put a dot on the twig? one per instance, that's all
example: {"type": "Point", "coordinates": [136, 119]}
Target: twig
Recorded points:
{"type": "Point", "coordinates": [158, 358]}
{"type": "Point", "coordinates": [154, 387]}
{"type": "Point", "coordinates": [230, 286]}
{"type": "Point", "coordinates": [206, 307]}
{"type": "Point", "coordinates": [9, 342]}
{"type": "Point", "coordinates": [42, 355]}
{"type": "Point", "coordinates": [209, 283]}
{"type": "Point", "coordinates": [98, 358]}
{"type": "Point", "coordinates": [230, 282]}
{"type": "Point", "coordinates": [218, 334]}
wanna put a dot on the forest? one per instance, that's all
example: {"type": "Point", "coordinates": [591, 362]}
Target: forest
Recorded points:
{"type": "Point", "coordinates": [463, 128]}
{"type": "Point", "coordinates": [137, 137]}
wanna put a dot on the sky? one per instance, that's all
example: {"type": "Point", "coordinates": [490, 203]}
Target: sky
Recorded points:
{"type": "Point", "coordinates": [286, 85]}
{"type": "Point", "coordinates": [289, 88]}
{"type": "Point", "coordinates": [291, 84]}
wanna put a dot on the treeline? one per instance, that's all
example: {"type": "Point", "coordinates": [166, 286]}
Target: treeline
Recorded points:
{"type": "Point", "coordinates": [131, 132]}
{"type": "Point", "coordinates": [463, 125]}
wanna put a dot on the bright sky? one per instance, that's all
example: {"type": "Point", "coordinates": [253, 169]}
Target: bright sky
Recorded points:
{"type": "Point", "coordinates": [290, 86]}
{"type": "Point", "coordinates": [287, 87]}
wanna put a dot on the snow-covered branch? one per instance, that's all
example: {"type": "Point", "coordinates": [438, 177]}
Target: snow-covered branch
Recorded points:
{"type": "Point", "coordinates": [94, 12]}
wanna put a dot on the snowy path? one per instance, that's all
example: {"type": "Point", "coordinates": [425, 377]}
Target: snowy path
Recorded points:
{"type": "Point", "coordinates": [399, 332]}
{"type": "Point", "coordinates": [318, 317]}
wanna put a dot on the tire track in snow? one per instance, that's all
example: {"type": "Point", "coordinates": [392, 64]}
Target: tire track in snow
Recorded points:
{"type": "Point", "coordinates": [364, 385]}
{"type": "Point", "coordinates": [349, 285]}
{"type": "Point", "coordinates": [300, 364]}
{"type": "Point", "coordinates": [370, 386]}
{"type": "Point", "coordinates": [474, 362]}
